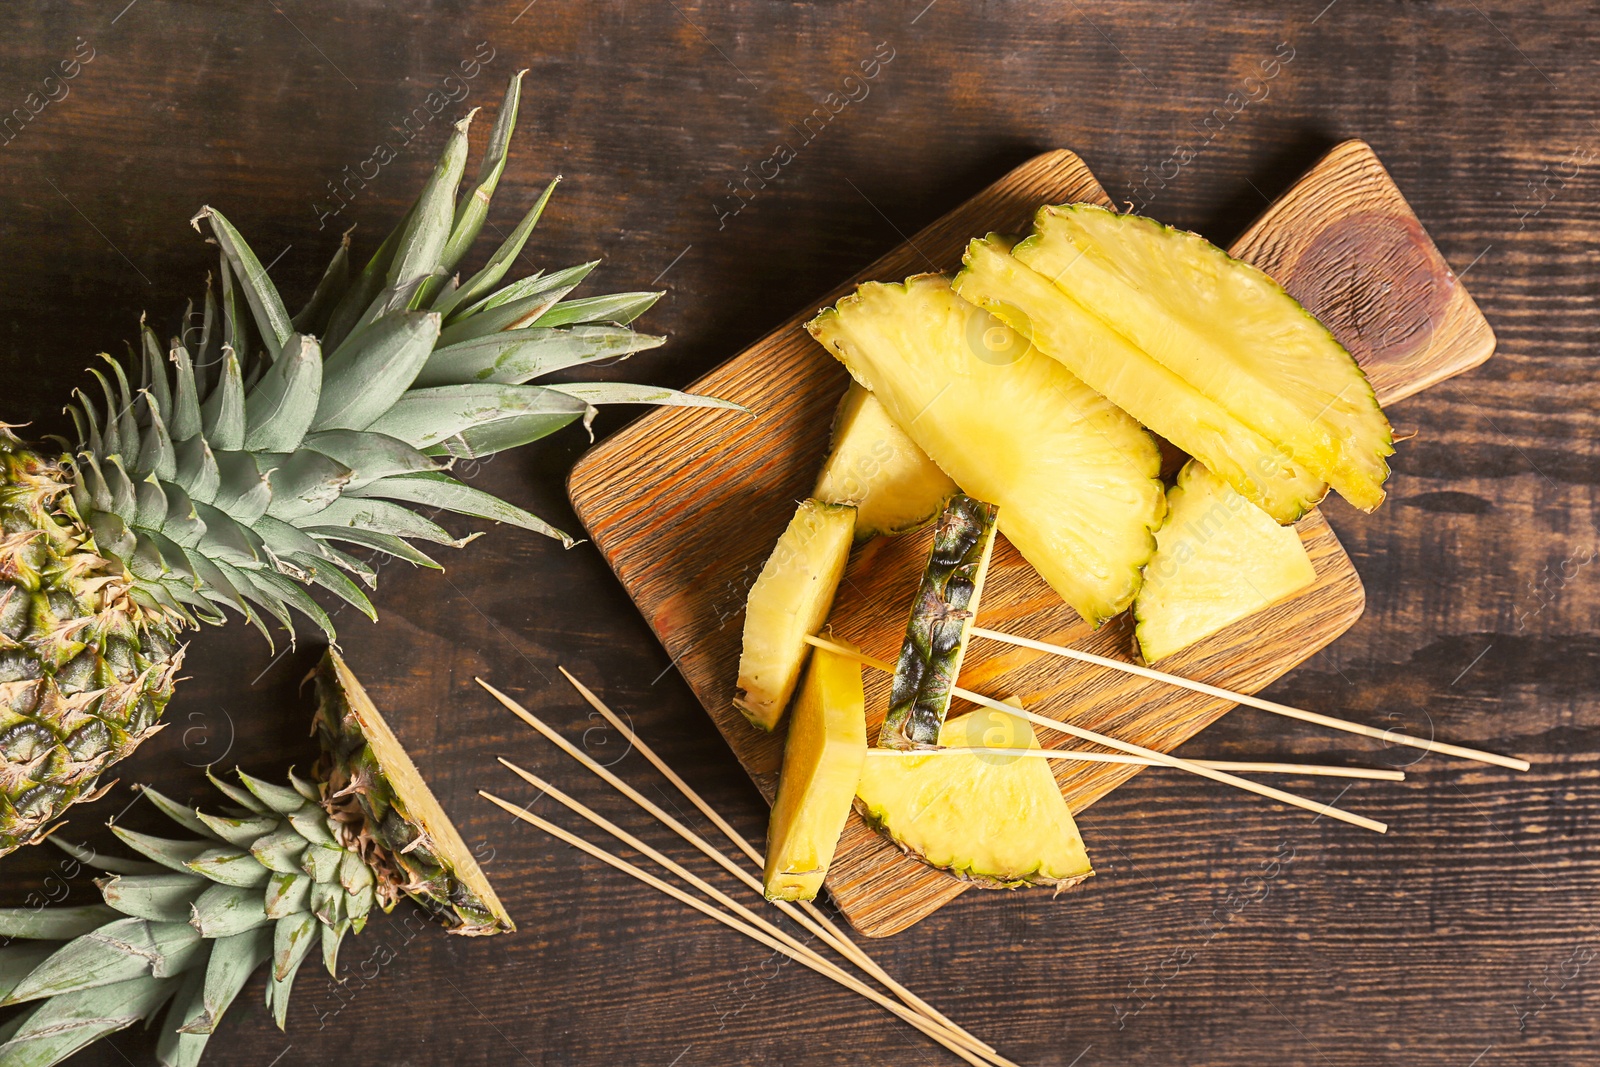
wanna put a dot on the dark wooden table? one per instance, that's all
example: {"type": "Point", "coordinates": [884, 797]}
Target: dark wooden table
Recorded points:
{"type": "Point", "coordinates": [1466, 936]}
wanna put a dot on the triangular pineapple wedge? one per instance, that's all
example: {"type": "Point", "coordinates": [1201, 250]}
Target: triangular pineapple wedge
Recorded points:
{"type": "Point", "coordinates": [1227, 329]}
{"type": "Point", "coordinates": [1075, 477]}
{"type": "Point", "coordinates": [821, 763]}
{"type": "Point", "coordinates": [1130, 378]}
{"type": "Point", "coordinates": [873, 465]}
{"type": "Point", "coordinates": [790, 600]}
{"type": "Point", "coordinates": [997, 821]}
{"type": "Point", "coordinates": [1217, 560]}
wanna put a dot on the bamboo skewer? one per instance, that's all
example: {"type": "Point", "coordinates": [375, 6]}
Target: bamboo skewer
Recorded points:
{"type": "Point", "coordinates": [835, 937]}
{"type": "Point", "coordinates": [1079, 732]}
{"type": "Point", "coordinates": [1374, 774]}
{"type": "Point", "coordinates": [927, 1026]}
{"type": "Point", "coordinates": [820, 929]}
{"type": "Point", "coordinates": [956, 1035]}
{"type": "Point", "coordinates": [1440, 747]}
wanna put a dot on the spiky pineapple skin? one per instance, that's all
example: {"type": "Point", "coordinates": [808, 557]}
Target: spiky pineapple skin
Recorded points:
{"type": "Point", "coordinates": [941, 616]}
{"type": "Point", "coordinates": [86, 666]}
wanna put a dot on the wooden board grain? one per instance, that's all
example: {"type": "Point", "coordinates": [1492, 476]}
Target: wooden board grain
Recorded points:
{"type": "Point", "coordinates": [686, 511]}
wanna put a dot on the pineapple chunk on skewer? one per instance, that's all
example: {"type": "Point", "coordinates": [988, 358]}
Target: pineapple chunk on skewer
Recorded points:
{"type": "Point", "coordinates": [997, 821]}
{"type": "Point", "coordinates": [789, 601]}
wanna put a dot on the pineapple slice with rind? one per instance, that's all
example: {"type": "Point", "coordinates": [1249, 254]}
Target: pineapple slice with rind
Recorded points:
{"type": "Point", "coordinates": [1074, 476]}
{"type": "Point", "coordinates": [998, 821]}
{"type": "Point", "coordinates": [1217, 560]}
{"type": "Point", "coordinates": [821, 764]}
{"type": "Point", "coordinates": [789, 601]}
{"type": "Point", "coordinates": [872, 464]}
{"type": "Point", "coordinates": [1126, 375]}
{"type": "Point", "coordinates": [1226, 328]}
{"type": "Point", "coordinates": [941, 622]}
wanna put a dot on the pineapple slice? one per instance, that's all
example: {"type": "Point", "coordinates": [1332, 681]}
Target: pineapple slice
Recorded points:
{"type": "Point", "coordinates": [1227, 329]}
{"type": "Point", "coordinates": [941, 622]}
{"type": "Point", "coordinates": [1160, 399]}
{"type": "Point", "coordinates": [1075, 477]}
{"type": "Point", "coordinates": [821, 764]}
{"type": "Point", "coordinates": [872, 464]}
{"type": "Point", "coordinates": [1217, 560]}
{"type": "Point", "coordinates": [789, 601]}
{"type": "Point", "coordinates": [999, 821]}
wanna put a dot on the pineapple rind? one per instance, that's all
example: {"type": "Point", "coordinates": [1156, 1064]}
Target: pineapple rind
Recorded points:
{"type": "Point", "coordinates": [385, 811]}
{"type": "Point", "coordinates": [873, 465]}
{"type": "Point", "coordinates": [1108, 362]}
{"type": "Point", "coordinates": [1218, 560]}
{"type": "Point", "coordinates": [822, 755]}
{"type": "Point", "coordinates": [997, 821]}
{"type": "Point", "coordinates": [1228, 329]}
{"type": "Point", "coordinates": [1075, 477]}
{"type": "Point", "coordinates": [790, 600]}
{"type": "Point", "coordinates": [941, 621]}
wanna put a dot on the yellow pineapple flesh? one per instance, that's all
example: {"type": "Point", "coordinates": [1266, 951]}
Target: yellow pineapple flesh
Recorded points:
{"type": "Point", "coordinates": [1130, 378]}
{"type": "Point", "coordinates": [790, 600]}
{"type": "Point", "coordinates": [821, 764]}
{"type": "Point", "coordinates": [996, 820]}
{"type": "Point", "coordinates": [873, 465]}
{"type": "Point", "coordinates": [1228, 330]}
{"type": "Point", "coordinates": [1074, 476]}
{"type": "Point", "coordinates": [1218, 560]}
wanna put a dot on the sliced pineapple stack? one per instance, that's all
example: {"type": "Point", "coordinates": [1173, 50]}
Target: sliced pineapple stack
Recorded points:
{"type": "Point", "coordinates": [1204, 349]}
{"type": "Point", "coordinates": [1075, 478]}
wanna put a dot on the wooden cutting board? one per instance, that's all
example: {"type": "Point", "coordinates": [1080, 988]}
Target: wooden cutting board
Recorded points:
{"type": "Point", "coordinates": [686, 508]}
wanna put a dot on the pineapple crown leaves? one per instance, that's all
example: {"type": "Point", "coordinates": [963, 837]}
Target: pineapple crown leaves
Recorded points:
{"type": "Point", "coordinates": [268, 879]}
{"type": "Point", "coordinates": [258, 441]}
{"type": "Point", "coordinates": [265, 880]}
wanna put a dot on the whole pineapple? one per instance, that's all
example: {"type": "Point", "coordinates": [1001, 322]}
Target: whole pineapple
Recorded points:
{"type": "Point", "coordinates": [254, 445]}
{"type": "Point", "coordinates": [284, 871]}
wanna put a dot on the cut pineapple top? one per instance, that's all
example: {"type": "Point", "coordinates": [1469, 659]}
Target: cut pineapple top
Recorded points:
{"type": "Point", "coordinates": [1074, 476]}
{"type": "Point", "coordinates": [821, 764]}
{"type": "Point", "coordinates": [872, 464]}
{"type": "Point", "coordinates": [1227, 329]}
{"type": "Point", "coordinates": [1126, 375]}
{"type": "Point", "coordinates": [999, 821]}
{"type": "Point", "coordinates": [789, 601]}
{"type": "Point", "coordinates": [1217, 561]}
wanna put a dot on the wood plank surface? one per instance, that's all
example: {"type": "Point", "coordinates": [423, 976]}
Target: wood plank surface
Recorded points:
{"type": "Point", "coordinates": [1219, 930]}
{"type": "Point", "coordinates": [1342, 238]}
